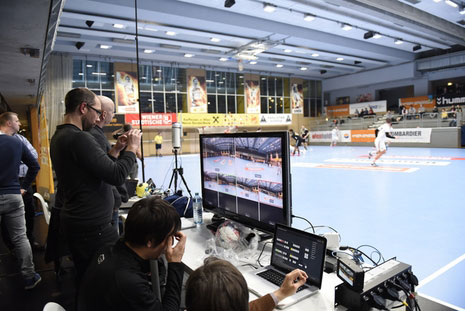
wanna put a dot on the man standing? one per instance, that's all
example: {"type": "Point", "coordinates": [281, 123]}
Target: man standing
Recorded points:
{"type": "Point", "coordinates": [298, 142]}
{"type": "Point", "coordinates": [380, 141]}
{"type": "Point", "coordinates": [117, 278]}
{"type": "Point", "coordinates": [158, 141]}
{"type": "Point", "coordinates": [13, 151]}
{"type": "Point", "coordinates": [334, 136]}
{"type": "Point", "coordinates": [85, 174]}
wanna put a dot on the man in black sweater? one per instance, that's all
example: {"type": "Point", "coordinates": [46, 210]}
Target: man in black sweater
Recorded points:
{"type": "Point", "coordinates": [117, 278]}
{"type": "Point", "coordinates": [85, 176]}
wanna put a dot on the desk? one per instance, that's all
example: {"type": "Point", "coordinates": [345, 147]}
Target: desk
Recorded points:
{"type": "Point", "coordinates": [195, 253]}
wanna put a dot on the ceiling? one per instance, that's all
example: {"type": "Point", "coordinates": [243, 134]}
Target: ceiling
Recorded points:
{"type": "Point", "coordinates": [280, 42]}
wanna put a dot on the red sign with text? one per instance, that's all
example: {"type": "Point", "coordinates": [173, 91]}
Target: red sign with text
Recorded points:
{"type": "Point", "coordinates": [151, 119]}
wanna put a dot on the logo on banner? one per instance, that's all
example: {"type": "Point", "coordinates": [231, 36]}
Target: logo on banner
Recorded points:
{"type": "Point", "coordinates": [450, 100]}
{"type": "Point", "coordinates": [263, 119]}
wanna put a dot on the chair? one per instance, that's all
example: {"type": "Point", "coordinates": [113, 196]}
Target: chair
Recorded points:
{"type": "Point", "coordinates": [44, 206]}
{"type": "Point", "coordinates": [53, 306]}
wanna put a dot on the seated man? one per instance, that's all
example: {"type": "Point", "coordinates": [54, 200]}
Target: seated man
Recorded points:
{"type": "Point", "coordinates": [117, 278]}
{"type": "Point", "coordinates": [218, 285]}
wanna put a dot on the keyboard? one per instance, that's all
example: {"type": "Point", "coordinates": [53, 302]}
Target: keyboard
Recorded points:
{"type": "Point", "coordinates": [276, 278]}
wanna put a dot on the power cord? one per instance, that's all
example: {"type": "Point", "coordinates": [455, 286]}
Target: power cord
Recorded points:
{"type": "Point", "coordinates": [311, 226]}
{"type": "Point", "coordinates": [258, 259]}
{"type": "Point", "coordinates": [376, 251]}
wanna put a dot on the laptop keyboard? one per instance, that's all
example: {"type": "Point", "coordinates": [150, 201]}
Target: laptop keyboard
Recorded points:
{"type": "Point", "coordinates": [275, 278]}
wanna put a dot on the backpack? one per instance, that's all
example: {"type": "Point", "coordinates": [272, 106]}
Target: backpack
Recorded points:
{"type": "Point", "coordinates": [182, 204]}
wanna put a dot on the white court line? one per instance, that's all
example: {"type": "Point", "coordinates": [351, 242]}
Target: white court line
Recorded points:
{"type": "Point", "coordinates": [382, 161]}
{"type": "Point", "coordinates": [440, 271]}
{"type": "Point", "coordinates": [441, 302]}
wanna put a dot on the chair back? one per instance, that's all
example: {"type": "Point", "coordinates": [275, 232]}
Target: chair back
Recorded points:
{"type": "Point", "coordinates": [44, 206]}
{"type": "Point", "coordinates": [53, 306]}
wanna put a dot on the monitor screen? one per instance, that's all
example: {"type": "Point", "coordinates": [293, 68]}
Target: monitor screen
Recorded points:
{"type": "Point", "coordinates": [246, 177]}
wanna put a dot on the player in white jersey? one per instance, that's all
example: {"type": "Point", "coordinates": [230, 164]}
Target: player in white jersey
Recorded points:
{"type": "Point", "coordinates": [334, 136]}
{"type": "Point", "coordinates": [380, 141]}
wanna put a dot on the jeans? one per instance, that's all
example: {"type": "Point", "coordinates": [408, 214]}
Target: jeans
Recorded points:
{"type": "Point", "coordinates": [12, 214]}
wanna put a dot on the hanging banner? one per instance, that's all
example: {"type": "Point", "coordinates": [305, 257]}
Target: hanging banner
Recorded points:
{"type": "Point", "coordinates": [297, 98]}
{"type": "Point", "coordinates": [218, 119]}
{"type": "Point", "coordinates": [276, 119]}
{"type": "Point", "coordinates": [196, 94]}
{"type": "Point", "coordinates": [252, 96]}
{"type": "Point", "coordinates": [450, 99]}
{"type": "Point", "coordinates": [151, 119]}
{"type": "Point", "coordinates": [44, 179]}
{"type": "Point", "coordinates": [126, 93]}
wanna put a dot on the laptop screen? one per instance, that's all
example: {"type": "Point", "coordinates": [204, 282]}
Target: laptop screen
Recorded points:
{"type": "Point", "coordinates": [297, 249]}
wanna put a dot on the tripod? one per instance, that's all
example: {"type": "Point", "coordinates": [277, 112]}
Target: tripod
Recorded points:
{"type": "Point", "coordinates": [177, 171]}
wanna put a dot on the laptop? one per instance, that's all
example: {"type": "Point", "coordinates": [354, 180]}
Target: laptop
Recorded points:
{"type": "Point", "coordinates": [292, 249]}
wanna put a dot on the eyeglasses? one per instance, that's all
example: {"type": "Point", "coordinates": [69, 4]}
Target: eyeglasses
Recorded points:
{"type": "Point", "coordinates": [99, 112]}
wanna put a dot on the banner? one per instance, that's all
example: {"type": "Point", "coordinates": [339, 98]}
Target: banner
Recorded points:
{"type": "Point", "coordinates": [276, 119]}
{"type": "Point", "coordinates": [450, 99]}
{"type": "Point", "coordinates": [151, 119]}
{"type": "Point", "coordinates": [252, 96]}
{"type": "Point", "coordinates": [44, 179]}
{"type": "Point", "coordinates": [377, 106]}
{"type": "Point", "coordinates": [126, 92]}
{"type": "Point", "coordinates": [412, 135]}
{"type": "Point", "coordinates": [337, 111]}
{"type": "Point", "coordinates": [196, 94]}
{"type": "Point", "coordinates": [325, 136]}
{"type": "Point", "coordinates": [217, 119]}
{"type": "Point", "coordinates": [297, 98]}
{"type": "Point", "coordinates": [426, 101]}
{"type": "Point", "coordinates": [362, 136]}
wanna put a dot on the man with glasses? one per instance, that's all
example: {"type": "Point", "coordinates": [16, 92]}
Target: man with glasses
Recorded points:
{"type": "Point", "coordinates": [85, 176]}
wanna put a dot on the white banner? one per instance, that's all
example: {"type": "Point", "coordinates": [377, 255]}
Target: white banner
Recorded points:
{"type": "Point", "coordinates": [377, 106]}
{"type": "Point", "coordinates": [325, 136]}
{"type": "Point", "coordinates": [275, 119]}
{"type": "Point", "coordinates": [412, 135]}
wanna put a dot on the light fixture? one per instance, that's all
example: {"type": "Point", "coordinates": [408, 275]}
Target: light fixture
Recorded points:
{"type": "Point", "coordinates": [309, 17]}
{"type": "Point", "coordinates": [89, 23]}
{"type": "Point", "coordinates": [416, 47]}
{"type": "Point", "coordinates": [105, 46]}
{"type": "Point", "coordinates": [170, 33]}
{"type": "Point", "coordinates": [346, 27]}
{"type": "Point", "coordinates": [462, 9]}
{"type": "Point", "coordinates": [188, 55]}
{"type": "Point", "coordinates": [437, 1]}
{"type": "Point", "coordinates": [377, 36]}
{"type": "Point", "coordinates": [398, 41]}
{"type": "Point", "coordinates": [215, 39]}
{"type": "Point", "coordinates": [119, 26]}
{"type": "Point", "coordinates": [368, 35]}
{"type": "Point", "coordinates": [279, 65]}
{"type": "Point", "coordinates": [79, 45]}
{"type": "Point", "coordinates": [147, 51]}
{"type": "Point", "coordinates": [253, 62]}
{"type": "Point", "coordinates": [223, 59]}
{"type": "Point", "coordinates": [339, 59]}
{"type": "Point", "coordinates": [229, 3]}
{"type": "Point", "coordinates": [287, 50]}
{"type": "Point", "coordinates": [356, 62]}
{"type": "Point", "coordinates": [315, 54]}
{"type": "Point", "coordinates": [303, 68]}
{"type": "Point", "coordinates": [89, 66]}
{"type": "Point", "coordinates": [270, 8]}
{"type": "Point", "coordinates": [449, 83]}
{"type": "Point", "coordinates": [452, 3]}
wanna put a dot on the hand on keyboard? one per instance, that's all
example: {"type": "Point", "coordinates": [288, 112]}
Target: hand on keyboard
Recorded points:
{"type": "Point", "coordinates": [291, 283]}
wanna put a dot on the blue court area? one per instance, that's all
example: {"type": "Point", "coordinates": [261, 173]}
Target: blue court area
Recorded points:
{"type": "Point", "coordinates": [410, 206]}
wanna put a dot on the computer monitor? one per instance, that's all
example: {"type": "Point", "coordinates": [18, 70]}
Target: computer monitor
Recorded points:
{"type": "Point", "coordinates": [246, 177]}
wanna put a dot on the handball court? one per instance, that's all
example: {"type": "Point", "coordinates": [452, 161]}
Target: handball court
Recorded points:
{"type": "Point", "coordinates": [411, 206]}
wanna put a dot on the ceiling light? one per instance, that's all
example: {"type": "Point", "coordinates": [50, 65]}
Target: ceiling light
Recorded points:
{"type": "Point", "coordinates": [449, 83]}
{"type": "Point", "coordinates": [188, 55]}
{"type": "Point", "coordinates": [223, 59]}
{"type": "Point", "coordinates": [340, 59]}
{"type": "Point", "coordinates": [270, 8]}
{"type": "Point", "coordinates": [279, 65]}
{"type": "Point", "coordinates": [416, 47]}
{"type": "Point", "coordinates": [398, 41]}
{"type": "Point", "coordinates": [309, 17]}
{"type": "Point", "coordinates": [303, 68]}
{"type": "Point", "coordinates": [170, 33]}
{"type": "Point", "coordinates": [287, 50]}
{"type": "Point", "coordinates": [253, 63]}
{"type": "Point", "coordinates": [452, 3]}
{"type": "Point", "coordinates": [229, 3]}
{"type": "Point", "coordinates": [346, 27]}
{"type": "Point", "coordinates": [215, 39]}
{"type": "Point", "coordinates": [437, 1]}
{"type": "Point", "coordinates": [315, 54]}
{"type": "Point", "coordinates": [79, 45]}
{"type": "Point", "coordinates": [105, 47]}
{"type": "Point", "coordinates": [147, 51]}
{"type": "Point", "coordinates": [368, 35]}
{"type": "Point", "coordinates": [377, 36]}
{"type": "Point", "coordinates": [119, 26]}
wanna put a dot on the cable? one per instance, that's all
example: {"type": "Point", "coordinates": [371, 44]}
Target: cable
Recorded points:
{"type": "Point", "coordinates": [313, 228]}
{"type": "Point", "coordinates": [357, 250]}
{"type": "Point", "coordinates": [258, 259]}
{"type": "Point", "coordinates": [376, 250]}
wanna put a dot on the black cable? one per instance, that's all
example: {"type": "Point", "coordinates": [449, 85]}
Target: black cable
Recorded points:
{"type": "Point", "coordinates": [313, 228]}
{"type": "Point", "coordinates": [376, 250]}
{"type": "Point", "coordinates": [357, 250]}
{"type": "Point", "coordinates": [258, 259]}
{"type": "Point", "coordinates": [323, 226]}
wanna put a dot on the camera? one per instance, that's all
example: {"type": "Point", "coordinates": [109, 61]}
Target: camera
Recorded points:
{"type": "Point", "coordinates": [117, 135]}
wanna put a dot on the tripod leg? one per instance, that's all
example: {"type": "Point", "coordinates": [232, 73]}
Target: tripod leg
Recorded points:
{"type": "Point", "coordinates": [185, 184]}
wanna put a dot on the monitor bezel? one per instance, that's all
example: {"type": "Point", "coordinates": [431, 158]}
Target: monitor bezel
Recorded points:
{"type": "Point", "coordinates": [285, 164]}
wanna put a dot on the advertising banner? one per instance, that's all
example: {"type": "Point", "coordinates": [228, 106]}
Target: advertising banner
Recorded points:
{"type": "Point", "coordinates": [377, 106]}
{"type": "Point", "coordinates": [196, 94]}
{"type": "Point", "coordinates": [337, 111]}
{"type": "Point", "coordinates": [363, 136]}
{"type": "Point", "coordinates": [151, 119]}
{"type": "Point", "coordinates": [218, 119]}
{"type": "Point", "coordinates": [325, 136]}
{"type": "Point", "coordinates": [297, 98]}
{"type": "Point", "coordinates": [426, 101]}
{"type": "Point", "coordinates": [126, 92]}
{"type": "Point", "coordinates": [450, 99]}
{"type": "Point", "coordinates": [275, 119]}
{"type": "Point", "coordinates": [252, 96]}
{"type": "Point", "coordinates": [412, 135]}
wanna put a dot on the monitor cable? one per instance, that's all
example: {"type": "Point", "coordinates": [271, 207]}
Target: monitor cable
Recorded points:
{"type": "Point", "coordinates": [261, 253]}
{"type": "Point", "coordinates": [311, 226]}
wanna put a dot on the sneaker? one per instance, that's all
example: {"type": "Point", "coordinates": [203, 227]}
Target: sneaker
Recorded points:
{"type": "Point", "coordinates": [374, 164]}
{"type": "Point", "coordinates": [32, 282]}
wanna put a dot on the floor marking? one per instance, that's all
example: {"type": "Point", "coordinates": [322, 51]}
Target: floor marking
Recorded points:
{"type": "Point", "coordinates": [395, 162]}
{"type": "Point", "coordinates": [441, 302]}
{"type": "Point", "coordinates": [417, 157]}
{"type": "Point", "coordinates": [358, 167]}
{"type": "Point", "coordinates": [440, 271]}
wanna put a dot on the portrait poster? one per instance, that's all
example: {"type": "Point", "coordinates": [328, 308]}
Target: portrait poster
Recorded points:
{"type": "Point", "coordinates": [297, 98]}
{"type": "Point", "coordinates": [126, 92]}
{"type": "Point", "coordinates": [196, 94]}
{"type": "Point", "coordinates": [252, 96]}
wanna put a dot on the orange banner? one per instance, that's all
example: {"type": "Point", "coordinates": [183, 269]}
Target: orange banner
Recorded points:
{"type": "Point", "coordinates": [364, 136]}
{"type": "Point", "coordinates": [426, 101]}
{"type": "Point", "coordinates": [338, 111]}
